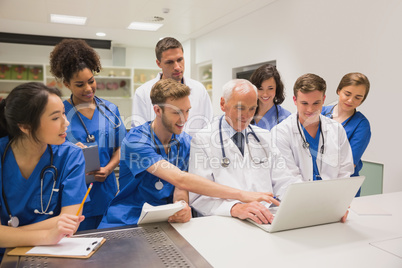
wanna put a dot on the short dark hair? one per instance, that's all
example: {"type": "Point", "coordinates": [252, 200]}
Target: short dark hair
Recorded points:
{"type": "Point", "coordinates": [165, 44]}
{"type": "Point", "coordinates": [168, 88]}
{"type": "Point", "coordinates": [308, 83]}
{"type": "Point", "coordinates": [71, 56]}
{"type": "Point", "coordinates": [24, 105]}
{"type": "Point", "coordinates": [265, 72]}
{"type": "Point", "coordinates": [354, 79]}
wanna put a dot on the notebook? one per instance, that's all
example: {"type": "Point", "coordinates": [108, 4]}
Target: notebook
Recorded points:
{"type": "Point", "coordinates": [160, 213]}
{"type": "Point", "coordinates": [313, 203]}
{"type": "Point", "coordinates": [92, 162]}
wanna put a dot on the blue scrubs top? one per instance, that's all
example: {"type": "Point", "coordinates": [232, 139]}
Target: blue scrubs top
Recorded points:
{"type": "Point", "coordinates": [24, 195]}
{"type": "Point", "coordinates": [314, 142]}
{"type": "Point", "coordinates": [107, 137]}
{"type": "Point", "coordinates": [274, 116]}
{"type": "Point", "coordinates": [358, 132]}
{"type": "Point", "coordinates": [139, 152]}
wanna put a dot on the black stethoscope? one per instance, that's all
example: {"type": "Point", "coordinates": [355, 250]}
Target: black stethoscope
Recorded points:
{"type": "Point", "coordinates": [159, 183]}
{"type": "Point", "coordinates": [225, 161]}
{"type": "Point", "coordinates": [14, 221]}
{"type": "Point", "coordinates": [98, 103]}
{"type": "Point", "coordinates": [306, 145]}
{"type": "Point", "coordinates": [330, 113]}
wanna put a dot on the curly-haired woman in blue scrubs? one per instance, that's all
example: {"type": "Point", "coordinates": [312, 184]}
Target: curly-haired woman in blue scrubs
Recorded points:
{"type": "Point", "coordinates": [94, 121]}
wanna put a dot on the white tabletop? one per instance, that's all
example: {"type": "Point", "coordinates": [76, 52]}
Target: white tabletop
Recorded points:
{"type": "Point", "coordinates": [230, 242]}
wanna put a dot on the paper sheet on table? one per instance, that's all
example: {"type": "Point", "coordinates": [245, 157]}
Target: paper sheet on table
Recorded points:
{"type": "Point", "coordinates": [361, 208]}
{"type": "Point", "coordinates": [393, 246]}
{"type": "Point", "coordinates": [74, 246]}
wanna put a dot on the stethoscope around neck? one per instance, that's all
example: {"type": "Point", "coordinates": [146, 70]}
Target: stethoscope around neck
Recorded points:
{"type": "Point", "coordinates": [98, 103]}
{"type": "Point", "coordinates": [225, 161]}
{"type": "Point", "coordinates": [306, 145]}
{"type": "Point", "coordinates": [330, 113]}
{"type": "Point", "coordinates": [159, 184]}
{"type": "Point", "coordinates": [14, 221]}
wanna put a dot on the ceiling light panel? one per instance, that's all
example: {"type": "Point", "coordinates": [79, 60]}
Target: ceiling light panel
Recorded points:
{"type": "Point", "coordinates": [56, 18]}
{"type": "Point", "coordinates": [144, 26]}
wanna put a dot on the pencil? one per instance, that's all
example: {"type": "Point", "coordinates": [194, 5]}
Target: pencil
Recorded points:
{"type": "Point", "coordinates": [85, 198]}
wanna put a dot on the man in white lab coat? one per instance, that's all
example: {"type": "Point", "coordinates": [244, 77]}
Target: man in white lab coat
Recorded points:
{"type": "Point", "coordinates": [315, 147]}
{"type": "Point", "coordinates": [169, 57]}
{"type": "Point", "coordinates": [247, 162]}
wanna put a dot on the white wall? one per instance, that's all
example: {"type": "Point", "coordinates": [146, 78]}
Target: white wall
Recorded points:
{"type": "Point", "coordinates": [329, 38]}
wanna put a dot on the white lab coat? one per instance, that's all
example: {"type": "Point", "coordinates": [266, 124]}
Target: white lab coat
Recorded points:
{"type": "Point", "coordinates": [337, 160]}
{"type": "Point", "coordinates": [242, 173]}
{"type": "Point", "coordinates": [201, 108]}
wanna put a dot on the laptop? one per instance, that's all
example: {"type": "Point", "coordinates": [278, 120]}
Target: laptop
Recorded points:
{"type": "Point", "coordinates": [92, 162]}
{"type": "Point", "coordinates": [313, 203]}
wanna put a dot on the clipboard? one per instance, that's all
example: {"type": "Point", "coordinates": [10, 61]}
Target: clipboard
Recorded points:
{"type": "Point", "coordinates": [92, 163]}
{"type": "Point", "coordinates": [23, 251]}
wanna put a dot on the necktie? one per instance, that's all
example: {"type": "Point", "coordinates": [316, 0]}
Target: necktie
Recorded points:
{"type": "Point", "coordinates": [238, 139]}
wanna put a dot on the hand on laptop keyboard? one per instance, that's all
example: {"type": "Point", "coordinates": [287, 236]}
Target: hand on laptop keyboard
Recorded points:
{"type": "Point", "coordinates": [254, 211]}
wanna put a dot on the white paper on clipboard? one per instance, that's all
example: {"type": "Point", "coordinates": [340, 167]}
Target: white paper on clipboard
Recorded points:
{"type": "Point", "coordinates": [92, 162]}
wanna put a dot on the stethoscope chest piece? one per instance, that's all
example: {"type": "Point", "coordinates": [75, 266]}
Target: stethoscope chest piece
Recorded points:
{"type": "Point", "coordinates": [90, 138]}
{"type": "Point", "coordinates": [306, 145]}
{"type": "Point", "coordinates": [13, 221]}
{"type": "Point", "coordinates": [225, 162]}
{"type": "Point", "coordinates": [159, 185]}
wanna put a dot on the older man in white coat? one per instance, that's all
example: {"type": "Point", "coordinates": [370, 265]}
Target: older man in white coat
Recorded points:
{"type": "Point", "coordinates": [247, 162]}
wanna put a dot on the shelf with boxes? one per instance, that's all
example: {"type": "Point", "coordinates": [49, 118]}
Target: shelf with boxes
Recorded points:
{"type": "Point", "coordinates": [205, 76]}
{"type": "Point", "coordinates": [111, 82]}
{"type": "Point", "coordinates": [144, 75]}
{"type": "Point", "coordinates": [114, 84]}
{"type": "Point", "coordinates": [14, 74]}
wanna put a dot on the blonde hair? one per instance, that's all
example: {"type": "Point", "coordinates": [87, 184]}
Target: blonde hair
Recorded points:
{"type": "Point", "coordinates": [168, 88]}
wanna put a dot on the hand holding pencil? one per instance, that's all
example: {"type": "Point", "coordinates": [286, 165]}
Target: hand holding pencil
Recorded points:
{"type": "Point", "coordinates": [85, 198]}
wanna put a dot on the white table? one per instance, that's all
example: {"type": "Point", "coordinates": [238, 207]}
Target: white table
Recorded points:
{"type": "Point", "coordinates": [230, 242]}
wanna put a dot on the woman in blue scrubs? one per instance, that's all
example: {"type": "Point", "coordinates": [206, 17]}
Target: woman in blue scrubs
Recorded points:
{"type": "Point", "coordinates": [271, 94]}
{"type": "Point", "coordinates": [42, 175]}
{"type": "Point", "coordinates": [94, 121]}
{"type": "Point", "coordinates": [352, 90]}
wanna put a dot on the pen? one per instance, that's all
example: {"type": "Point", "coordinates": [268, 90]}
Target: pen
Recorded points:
{"type": "Point", "coordinates": [85, 198]}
